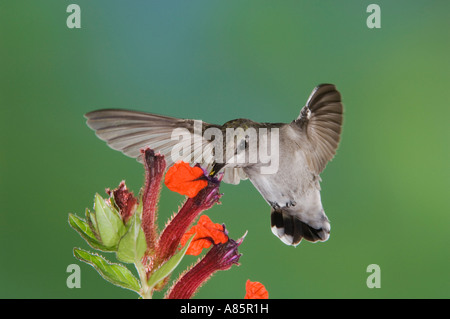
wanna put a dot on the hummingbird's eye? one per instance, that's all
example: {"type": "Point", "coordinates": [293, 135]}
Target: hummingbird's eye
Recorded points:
{"type": "Point", "coordinates": [242, 144]}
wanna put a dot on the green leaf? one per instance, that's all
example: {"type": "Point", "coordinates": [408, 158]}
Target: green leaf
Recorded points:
{"type": "Point", "coordinates": [117, 274]}
{"type": "Point", "coordinates": [133, 245]}
{"type": "Point", "coordinates": [109, 222]}
{"type": "Point", "coordinates": [167, 268]}
{"type": "Point", "coordinates": [83, 228]}
{"type": "Point", "coordinates": [90, 218]}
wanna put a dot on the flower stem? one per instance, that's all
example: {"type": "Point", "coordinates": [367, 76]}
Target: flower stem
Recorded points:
{"type": "Point", "coordinates": [145, 292]}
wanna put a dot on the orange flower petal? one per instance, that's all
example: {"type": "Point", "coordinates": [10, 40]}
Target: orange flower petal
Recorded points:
{"type": "Point", "coordinates": [205, 232]}
{"type": "Point", "coordinates": [185, 180]}
{"type": "Point", "coordinates": [255, 290]}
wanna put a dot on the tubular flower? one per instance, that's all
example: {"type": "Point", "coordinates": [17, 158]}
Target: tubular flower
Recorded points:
{"type": "Point", "coordinates": [174, 231]}
{"type": "Point", "coordinates": [154, 170]}
{"type": "Point", "coordinates": [206, 233]}
{"type": "Point", "coordinates": [255, 290]}
{"type": "Point", "coordinates": [185, 180]}
{"type": "Point", "coordinates": [219, 257]}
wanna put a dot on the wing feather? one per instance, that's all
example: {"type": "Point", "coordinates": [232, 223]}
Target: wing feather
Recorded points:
{"type": "Point", "coordinates": [130, 131]}
{"type": "Point", "coordinates": [321, 123]}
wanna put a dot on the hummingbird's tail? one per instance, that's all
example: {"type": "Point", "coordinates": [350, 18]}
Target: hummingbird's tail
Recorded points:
{"type": "Point", "coordinates": [291, 230]}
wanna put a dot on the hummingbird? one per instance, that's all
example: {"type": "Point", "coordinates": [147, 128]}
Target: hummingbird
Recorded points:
{"type": "Point", "coordinates": [305, 146]}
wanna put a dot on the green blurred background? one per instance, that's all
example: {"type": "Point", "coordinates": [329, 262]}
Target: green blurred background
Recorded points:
{"type": "Point", "coordinates": [386, 192]}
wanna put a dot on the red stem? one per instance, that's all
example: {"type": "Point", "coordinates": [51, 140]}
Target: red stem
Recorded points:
{"type": "Point", "coordinates": [220, 257]}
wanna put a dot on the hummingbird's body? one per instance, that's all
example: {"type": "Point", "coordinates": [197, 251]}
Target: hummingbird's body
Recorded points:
{"type": "Point", "coordinates": [304, 146]}
{"type": "Point", "coordinates": [293, 194]}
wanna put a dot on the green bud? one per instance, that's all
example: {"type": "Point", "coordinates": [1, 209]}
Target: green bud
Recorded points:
{"type": "Point", "coordinates": [109, 222]}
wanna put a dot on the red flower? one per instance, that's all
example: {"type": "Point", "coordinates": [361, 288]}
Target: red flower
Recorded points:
{"type": "Point", "coordinates": [155, 166]}
{"type": "Point", "coordinates": [219, 257]}
{"type": "Point", "coordinates": [179, 224]}
{"type": "Point", "coordinates": [255, 290]}
{"type": "Point", "coordinates": [203, 193]}
{"type": "Point", "coordinates": [185, 180]}
{"type": "Point", "coordinates": [206, 233]}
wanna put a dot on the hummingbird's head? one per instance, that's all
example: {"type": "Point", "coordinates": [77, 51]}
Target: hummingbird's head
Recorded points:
{"type": "Point", "coordinates": [238, 133]}
{"type": "Point", "coordinates": [236, 141]}
{"type": "Point", "coordinates": [241, 141]}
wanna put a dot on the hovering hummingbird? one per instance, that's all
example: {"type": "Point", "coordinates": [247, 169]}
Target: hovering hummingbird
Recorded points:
{"type": "Point", "coordinates": [305, 146]}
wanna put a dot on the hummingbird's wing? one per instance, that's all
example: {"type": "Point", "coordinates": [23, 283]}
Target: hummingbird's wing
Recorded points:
{"type": "Point", "coordinates": [320, 121]}
{"type": "Point", "coordinates": [130, 131]}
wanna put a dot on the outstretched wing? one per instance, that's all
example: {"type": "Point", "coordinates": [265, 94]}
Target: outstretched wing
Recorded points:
{"type": "Point", "coordinates": [130, 131]}
{"type": "Point", "coordinates": [320, 121]}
